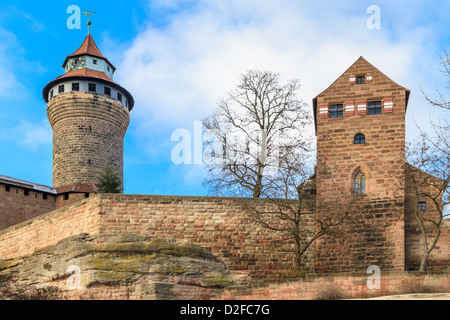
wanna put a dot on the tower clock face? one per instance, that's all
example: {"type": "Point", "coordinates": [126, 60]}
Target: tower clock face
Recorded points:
{"type": "Point", "coordinates": [76, 63]}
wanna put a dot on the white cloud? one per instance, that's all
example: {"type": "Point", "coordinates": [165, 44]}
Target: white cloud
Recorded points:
{"type": "Point", "coordinates": [178, 73]}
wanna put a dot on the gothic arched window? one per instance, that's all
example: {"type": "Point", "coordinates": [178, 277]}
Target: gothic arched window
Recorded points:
{"type": "Point", "coordinates": [359, 182]}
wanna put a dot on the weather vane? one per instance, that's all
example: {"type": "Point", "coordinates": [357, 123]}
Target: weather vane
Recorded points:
{"type": "Point", "coordinates": [89, 23]}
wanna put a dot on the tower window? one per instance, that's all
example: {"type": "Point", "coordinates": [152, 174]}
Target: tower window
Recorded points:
{"type": "Point", "coordinates": [75, 86]}
{"type": "Point", "coordinates": [44, 196]}
{"type": "Point", "coordinates": [7, 188]}
{"type": "Point", "coordinates": [77, 61]}
{"type": "Point", "coordinates": [94, 61]}
{"type": "Point", "coordinates": [119, 96]}
{"type": "Point", "coordinates": [61, 89]}
{"type": "Point", "coordinates": [336, 111]}
{"type": "Point", "coordinates": [92, 87]}
{"type": "Point", "coordinates": [66, 196]}
{"type": "Point", "coordinates": [360, 138]}
{"type": "Point", "coordinates": [51, 94]}
{"type": "Point", "coordinates": [26, 192]}
{"type": "Point", "coordinates": [107, 91]}
{"type": "Point", "coordinates": [108, 68]}
{"type": "Point", "coordinates": [421, 205]}
{"type": "Point", "coordinates": [360, 79]}
{"type": "Point", "coordinates": [360, 182]}
{"type": "Point", "coordinates": [374, 107]}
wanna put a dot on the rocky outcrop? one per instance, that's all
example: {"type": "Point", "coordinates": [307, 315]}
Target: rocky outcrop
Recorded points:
{"type": "Point", "coordinates": [122, 266]}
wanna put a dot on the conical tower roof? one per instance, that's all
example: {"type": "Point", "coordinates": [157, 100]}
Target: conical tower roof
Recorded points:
{"type": "Point", "coordinates": [88, 47]}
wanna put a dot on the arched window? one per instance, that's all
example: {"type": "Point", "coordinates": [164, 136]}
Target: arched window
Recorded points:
{"type": "Point", "coordinates": [359, 182]}
{"type": "Point", "coordinates": [360, 138]}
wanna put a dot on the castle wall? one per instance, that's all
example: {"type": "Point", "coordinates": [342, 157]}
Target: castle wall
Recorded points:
{"type": "Point", "coordinates": [88, 133]}
{"type": "Point", "coordinates": [439, 258]}
{"type": "Point", "coordinates": [217, 224]}
{"type": "Point", "coordinates": [24, 238]}
{"type": "Point", "coordinates": [17, 206]}
{"type": "Point", "coordinates": [380, 241]}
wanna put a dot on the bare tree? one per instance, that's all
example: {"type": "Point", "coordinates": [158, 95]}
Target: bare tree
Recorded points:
{"type": "Point", "coordinates": [429, 173]}
{"type": "Point", "coordinates": [428, 178]}
{"type": "Point", "coordinates": [249, 133]}
{"type": "Point", "coordinates": [10, 289]}
{"type": "Point", "coordinates": [441, 101]}
{"type": "Point", "coordinates": [290, 209]}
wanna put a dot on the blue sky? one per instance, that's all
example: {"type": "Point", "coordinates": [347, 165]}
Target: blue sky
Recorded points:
{"type": "Point", "coordinates": [178, 58]}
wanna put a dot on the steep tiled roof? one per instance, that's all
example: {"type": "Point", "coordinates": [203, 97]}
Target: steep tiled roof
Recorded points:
{"type": "Point", "coordinates": [86, 73]}
{"type": "Point", "coordinates": [90, 48]}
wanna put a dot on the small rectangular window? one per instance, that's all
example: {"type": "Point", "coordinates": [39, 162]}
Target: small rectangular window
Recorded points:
{"type": "Point", "coordinates": [44, 196]}
{"type": "Point", "coordinates": [61, 89]}
{"type": "Point", "coordinates": [360, 79]}
{"type": "Point", "coordinates": [119, 96]}
{"type": "Point", "coordinates": [94, 61]}
{"type": "Point", "coordinates": [336, 111]}
{"type": "Point", "coordinates": [51, 94]}
{"type": "Point", "coordinates": [374, 107]}
{"type": "Point", "coordinates": [92, 87]}
{"type": "Point", "coordinates": [107, 68]}
{"type": "Point", "coordinates": [75, 86]}
{"type": "Point", "coordinates": [26, 192]}
{"type": "Point", "coordinates": [107, 91]}
{"type": "Point", "coordinates": [66, 196]}
{"type": "Point", "coordinates": [421, 205]}
{"type": "Point", "coordinates": [7, 188]}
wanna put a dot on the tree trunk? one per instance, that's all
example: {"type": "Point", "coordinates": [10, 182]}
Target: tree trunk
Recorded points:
{"type": "Point", "coordinates": [423, 263]}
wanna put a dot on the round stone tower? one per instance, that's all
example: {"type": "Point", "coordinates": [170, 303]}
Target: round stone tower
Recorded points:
{"type": "Point", "coordinates": [89, 115]}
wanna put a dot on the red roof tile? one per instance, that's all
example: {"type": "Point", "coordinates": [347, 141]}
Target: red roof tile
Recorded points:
{"type": "Point", "coordinates": [86, 73]}
{"type": "Point", "coordinates": [88, 47]}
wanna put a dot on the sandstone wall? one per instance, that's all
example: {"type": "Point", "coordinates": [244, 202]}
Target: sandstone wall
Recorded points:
{"type": "Point", "coordinates": [88, 132]}
{"type": "Point", "coordinates": [216, 224]}
{"type": "Point", "coordinates": [381, 158]}
{"type": "Point", "coordinates": [16, 206]}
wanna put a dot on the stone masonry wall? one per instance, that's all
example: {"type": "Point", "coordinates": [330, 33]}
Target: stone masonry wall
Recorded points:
{"type": "Point", "coordinates": [25, 238]}
{"type": "Point", "coordinates": [216, 224]}
{"type": "Point", "coordinates": [16, 206]}
{"type": "Point", "coordinates": [381, 158]}
{"type": "Point", "coordinates": [88, 133]}
{"type": "Point", "coordinates": [440, 256]}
